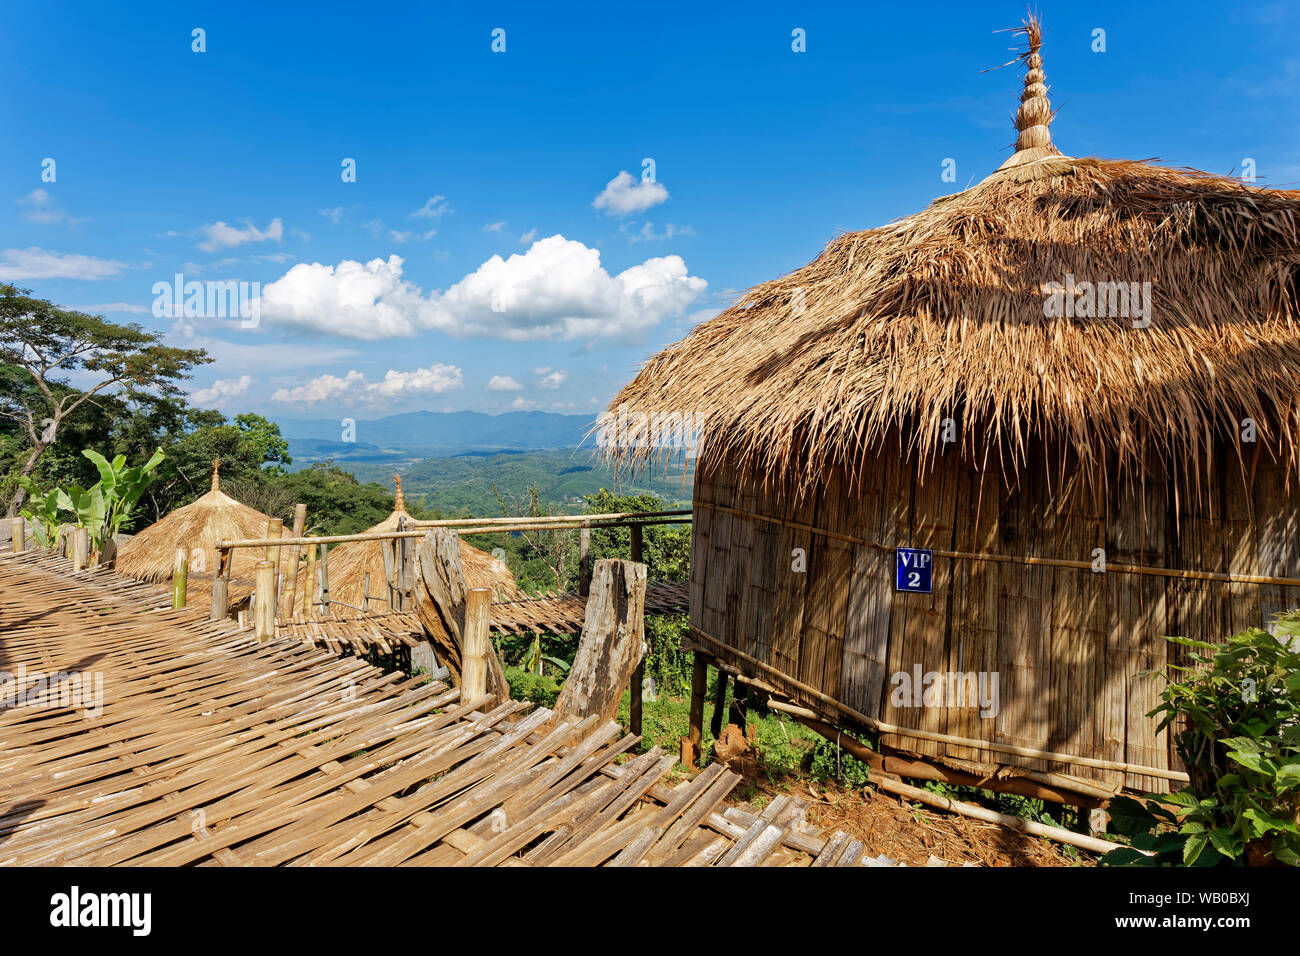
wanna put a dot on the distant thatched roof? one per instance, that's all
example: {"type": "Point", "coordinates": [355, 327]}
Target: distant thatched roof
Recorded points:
{"type": "Point", "coordinates": [350, 562]}
{"type": "Point", "coordinates": [149, 555]}
{"type": "Point", "coordinates": [943, 315]}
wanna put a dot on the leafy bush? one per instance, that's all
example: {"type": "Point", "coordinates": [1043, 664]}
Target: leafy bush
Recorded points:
{"type": "Point", "coordinates": [541, 689]}
{"type": "Point", "coordinates": [42, 513]}
{"type": "Point", "coordinates": [1236, 715]}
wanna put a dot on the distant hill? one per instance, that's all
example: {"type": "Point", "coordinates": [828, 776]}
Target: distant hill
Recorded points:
{"type": "Point", "coordinates": [413, 435]}
{"type": "Point", "coordinates": [463, 484]}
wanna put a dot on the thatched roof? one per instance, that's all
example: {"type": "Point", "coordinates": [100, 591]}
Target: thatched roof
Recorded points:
{"type": "Point", "coordinates": [943, 315]}
{"type": "Point", "coordinates": [149, 555]}
{"type": "Point", "coordinates": [350, 562]}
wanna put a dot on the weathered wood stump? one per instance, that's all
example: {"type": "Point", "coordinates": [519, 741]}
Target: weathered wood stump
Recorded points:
{"type": "Point", "coordinates": [440, 603]}
{"type": "Point", "coordinates": [612, 644]}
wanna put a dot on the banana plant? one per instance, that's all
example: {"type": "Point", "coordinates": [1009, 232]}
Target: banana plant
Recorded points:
{"type": "Point", "coordinates": [105, 506]}
{"type": "Point", "coordinates": [42, 513]}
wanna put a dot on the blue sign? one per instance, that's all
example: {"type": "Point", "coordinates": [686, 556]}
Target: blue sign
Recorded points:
{"type": "Point", "coordinates": [914, 570]}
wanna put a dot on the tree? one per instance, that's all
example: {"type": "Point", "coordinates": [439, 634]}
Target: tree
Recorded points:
{"type": "Point", "coordinates": [45, 342]}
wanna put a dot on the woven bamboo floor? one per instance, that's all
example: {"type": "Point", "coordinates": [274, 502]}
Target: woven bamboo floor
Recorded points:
{"type": "Point", "coordinates": [557, 613]}
{"type": "Point", "coordinates": [212, 749]}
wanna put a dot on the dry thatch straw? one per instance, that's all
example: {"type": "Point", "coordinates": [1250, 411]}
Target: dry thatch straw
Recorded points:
{"type": "Point", "coordinates": [148, 556]}
{"type": "Point", "coordinates": [942, 315]}
{"type": "Point", "coordinates": [350, 562]}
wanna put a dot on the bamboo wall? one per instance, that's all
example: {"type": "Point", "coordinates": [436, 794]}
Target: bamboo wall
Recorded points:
{"type": "Point", "coordinates": [1067, 644]}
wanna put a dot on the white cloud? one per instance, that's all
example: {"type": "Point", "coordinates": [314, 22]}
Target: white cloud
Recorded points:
{"type": "Point", "coordinates": [41, 207]}
{"type": "Point", "coordinates": [503, 383]}
{"type": "Point", "coordinates": [104, 307]}
{"type": "Point", "coordinates": [36, 263]}
{"type": "Point", "coordinates": [435, 208]}
{"type": "Point", "coordinates": [373, 226]}
{"type": "Point", "coordinates": [397, 236]}
{"type": "Point", "coordinates": [353, 386]}
{"type": "Point", "coordinates": [523, 404]}
{"type": "Point", "coordinates": [541, 370]}
{"type": "Point", "coordinates": [555, 290]}
{"type": "Point", "coordinates": [528, 237]}
{"type": "Point", "coordinates": [220, 235]}
{"type": "Point", "coordinates": [333, 215]}
{"type": "Point", "coordinates": [495, 226]}
{"type": "Point", "coordinates": [554, 379]}
{"type": "Point", "coordinates": [221, 390]}
{"type": "Point", "coordinates": [626, 194]}
{"type": "Point", "coordinates": [647, 232]}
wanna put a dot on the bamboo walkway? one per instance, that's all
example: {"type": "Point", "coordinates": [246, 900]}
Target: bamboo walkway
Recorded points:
{"type": "Point", "coordinates": [385, 631]}
{"type": "Point", "coordinates": [212, 749]}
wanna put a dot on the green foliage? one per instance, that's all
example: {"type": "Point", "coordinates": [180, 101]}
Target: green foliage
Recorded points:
{"type": "Point", "coordinates": [541, 689]}
{"type": "Point", "coordinates": [42, 513]}
{"type": "Point", "coordinates": [829, 762]}
{"type": "Point", "coordinates": [1236, 718]}
{"type": "Point", "coordinates": [105, 506]}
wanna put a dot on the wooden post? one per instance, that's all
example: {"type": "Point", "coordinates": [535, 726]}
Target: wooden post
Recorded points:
{"type": "Point", "coordinates": [309, 585]}
{"type": "Point", "coordinates": [389, 551]}
{"type": "Point", "coordinates": [699, 687]}
{"type": "Point", "coordinates": [264, 609]}
{"type": "Point", "coordinates": [584, 560]}
{"type": "Point", "coordinates": [80, 548]}
{"type": "Point", "coordinates": [612, 643]}
{"type": "Point", "coordinates": [221, 586]}
{"type": "Point", "coordinates": [324, 579]}
{"type": "Point", "coordinates": [638, 674]}
{"type": "Point", "coordinates": [477, 643]}
{"type": "Point", "coordinates": [180, 575]}
{"type": "Point", "coordinates": [299, 526]}
{"type": "Point", "coordinates": [365, 593]}
{"type": "Point", "coordinates": [18, 534]}
{"type": "Point", "coordinates": [719, 705]}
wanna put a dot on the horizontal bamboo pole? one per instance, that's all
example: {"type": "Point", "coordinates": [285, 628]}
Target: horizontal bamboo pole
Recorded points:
{"type": "Point", "coordinates": [472, 528]}
{"type": "Point", "coordinates": [1224, 576]}
{"type": "Point", "coordinates": [882, 727]}
{"type": "Point", "coordinates": [974, 812]}
{"type": "Point", "coordinates": [549, 519]}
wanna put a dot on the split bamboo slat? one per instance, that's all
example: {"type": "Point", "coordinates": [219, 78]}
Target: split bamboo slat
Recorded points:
{"type": "Point", "coordinates": [207, 747]}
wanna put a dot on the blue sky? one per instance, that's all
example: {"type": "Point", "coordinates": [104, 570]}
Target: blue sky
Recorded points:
{"type": "Point", "coordinates": [481, 171]}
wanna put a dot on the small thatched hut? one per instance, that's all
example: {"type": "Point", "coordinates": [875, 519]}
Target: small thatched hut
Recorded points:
{"type": "Point", "coordinates": [352, 561]}
{"type": "Point", "coordinates": [150, 554]}
{"type": "Point", "coordinates": [1076, 383]}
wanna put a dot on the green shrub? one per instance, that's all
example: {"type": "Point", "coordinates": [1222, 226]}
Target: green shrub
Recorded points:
{"type": "Point", "coordinates": [1236, 720]}
{"type": "Point", "coordinates": [541, 689]}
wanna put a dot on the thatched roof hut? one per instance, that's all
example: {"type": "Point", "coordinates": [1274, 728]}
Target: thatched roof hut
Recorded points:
{"type": "Point", "coordinates": [351, 562]}
{"type": "Point", "coordinates": [149, 555]}
{"type": "Point", "coordinates": [1076, 365]}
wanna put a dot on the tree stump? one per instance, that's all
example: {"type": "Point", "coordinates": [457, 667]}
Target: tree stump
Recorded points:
{"type": "Point", "coordinates": [612, 644]}
{"type": "Point", "coordinates": [440, 598]}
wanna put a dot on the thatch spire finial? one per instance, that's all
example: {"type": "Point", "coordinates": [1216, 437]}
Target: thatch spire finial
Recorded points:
{"type": "Point", "coordinates": [216, 484]}
{"type": "Point", "coordinates": [1034, 116]}
{"type": "Point", "coordinates": [399, 502]}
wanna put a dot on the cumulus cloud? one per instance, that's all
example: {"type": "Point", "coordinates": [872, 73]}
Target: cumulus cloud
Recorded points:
{"type": "Point", "coordinates": [553, 380]}
{"type": "Point", "coordinates": [36, 263]}
{"type": "Point", "coordinates": [647, 232]}
{"type": "Point", "coordinates": [435, 208]}
{"type": "Point", "coordinates": [503, 383]}
{"type": "Point", "coordinates": [523, 404]}
{"type": "Point", "coordinates": [220, 235]}
{"type": "Point", "coordinates": [353, 387]}
{"type": "Point", "coordinates": [556, 290]}
{"type": "Point", "coordinates": [221, 390]}
{"type": "Point", "coordinates": [41, 207]}
{"type": "Point", "coordinates": [625, 194]}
